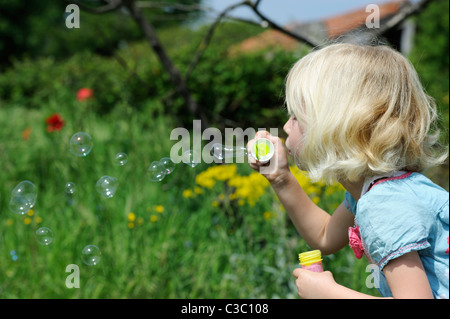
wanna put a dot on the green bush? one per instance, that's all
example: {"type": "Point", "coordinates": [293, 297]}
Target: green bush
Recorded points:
{"type": "Point", "coordinates": [245, 89]}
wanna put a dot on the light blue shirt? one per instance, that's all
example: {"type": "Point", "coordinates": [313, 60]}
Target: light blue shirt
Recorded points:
{"type": "Point", "coordinates": [403, 214]}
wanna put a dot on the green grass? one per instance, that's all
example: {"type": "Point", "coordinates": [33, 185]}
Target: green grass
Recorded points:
{"type": "Point", "coordinates": [205, 246]}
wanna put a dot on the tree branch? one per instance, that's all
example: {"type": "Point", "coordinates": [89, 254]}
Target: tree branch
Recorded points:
{"type": "Point", "coordinates": [254, 7]}
{"type": "Point", "coordinates": [174, 74]}
{"type": "Point", "coordinates": [207, 39]}
{"type": "Point", "coordinates": [407, 10]}
{"type": "Point", "coordinates": [111, 6]}
{"type": "Point", "coordinates": [177, 6]}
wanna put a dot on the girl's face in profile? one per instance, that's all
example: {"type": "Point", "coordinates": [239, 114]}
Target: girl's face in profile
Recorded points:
{"type": "Point", "coordinates": [295, 135]}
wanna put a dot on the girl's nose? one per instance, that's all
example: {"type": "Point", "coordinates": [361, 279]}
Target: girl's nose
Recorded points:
{"type": "Point", "coordinates": [287, 127]}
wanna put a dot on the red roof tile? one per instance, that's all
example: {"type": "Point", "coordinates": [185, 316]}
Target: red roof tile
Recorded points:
{"type": "Point", "coordinates": [344, 23]}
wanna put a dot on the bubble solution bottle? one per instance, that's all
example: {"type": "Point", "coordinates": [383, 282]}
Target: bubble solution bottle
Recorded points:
{"type": "Point", "coordinates": [311, 260]}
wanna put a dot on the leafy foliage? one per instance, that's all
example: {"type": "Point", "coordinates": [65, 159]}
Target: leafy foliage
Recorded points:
{"type": "Point", "coordinates": [238, 88]}
{"type": "Point", "coordinates": [36, 28]}
{"type": "Point", "coordinates": [430, 56]}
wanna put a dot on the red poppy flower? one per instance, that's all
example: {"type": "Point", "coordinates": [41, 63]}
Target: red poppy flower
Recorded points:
{"type": "Point", "coordinates": [84, 94]}
{"type": "Point", "coordinates": [54, 122]}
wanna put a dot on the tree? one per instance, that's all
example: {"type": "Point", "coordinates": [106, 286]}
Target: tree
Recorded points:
{"type": "Point", "coordinates": [179, 81]}
{"type": "Point", "coordinates": [36, 28]}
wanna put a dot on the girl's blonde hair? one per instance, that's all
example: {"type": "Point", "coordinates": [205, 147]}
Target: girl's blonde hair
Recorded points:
{"type": "Point", "coordinates": [363, 112]}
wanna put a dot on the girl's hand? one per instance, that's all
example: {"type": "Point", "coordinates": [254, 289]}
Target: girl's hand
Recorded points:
{"type": "Point", "coordinates": [314, 285]}
{"type": "Point", "coordinates": [277, 170]}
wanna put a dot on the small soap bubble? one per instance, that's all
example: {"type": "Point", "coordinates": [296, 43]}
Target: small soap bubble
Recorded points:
{"type": "Point", "coordinates": [80, 144]}
{"type": "Point", "coordinates": [23, 197]}
{"type": "Point", "coordinates": [91, 255]}
{"type": "Point", "coordinates": [107, 186]}
{"type": "Point", "coordinates": [191, 158]}
{"type": "Point", "coordinates": [156, 172]}
{"type": "Point", "coordinates": [69, 188]}
{"type": "Point", "coordinates": [121, 159]}
{"type": "Point", "coordinates": [168, 164]}
{"type": "Point", "coordinates": [44, 236]}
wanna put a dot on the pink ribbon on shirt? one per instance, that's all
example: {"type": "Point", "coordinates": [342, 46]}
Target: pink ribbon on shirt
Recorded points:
{"type": "Point", "coordinates": [354, 240]}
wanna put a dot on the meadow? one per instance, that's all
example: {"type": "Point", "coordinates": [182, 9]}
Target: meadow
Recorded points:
{"type": "Point", "coordinates": [210, 231]}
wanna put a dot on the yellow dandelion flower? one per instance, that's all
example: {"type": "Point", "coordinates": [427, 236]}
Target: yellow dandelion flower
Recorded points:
{"type": "Point", "coordinates": [215, 203]}
{"type": "Point", "coordinates": [159, 209]}
{"type": "Point", "coordinates": [225, 172]}
{"type": "Point", "coordinates": [268, 215]}
{"type": "Point", "coordinates": [27, 221]}
{"type": "Point", "coordinates": [153, 218]}
{"type": "Point", "coordinates": [316, 200]}
{"type": "Point", "coordinates": [187, 193]}
{"type": "Point", "coordinates": [130, 225]}
{"type": "Point", "coordinates": [131, 217]}
{"type": "Point", "coordinates": [30, 212]}
{"type": "Point", "coordinates": [38, 220]}
{"type": "Point", "coordinates": [198, 190]}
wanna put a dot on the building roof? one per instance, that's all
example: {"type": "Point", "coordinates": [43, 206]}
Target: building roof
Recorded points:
{"type": "Point", "coordinates": [329, 28]}
{"type": "Point", "coordinates": [344, 23]}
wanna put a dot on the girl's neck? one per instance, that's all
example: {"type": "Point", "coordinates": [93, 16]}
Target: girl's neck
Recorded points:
{"type": "Point", "coordinates": [354, 188]}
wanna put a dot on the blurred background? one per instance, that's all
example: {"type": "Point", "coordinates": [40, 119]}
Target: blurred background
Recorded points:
{"type": "Point", "coordinates": [128, 77]}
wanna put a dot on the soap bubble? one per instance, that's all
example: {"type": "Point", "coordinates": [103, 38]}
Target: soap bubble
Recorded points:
{"type": "Point", "coordinates": [168, 164]}
{"type": "Point", "coordinates": [91, 255]}
{"type": "Point", "coordinates": [121, 159]}
{"type": "Point", "coordinates": [191, 158]}
{"type": "Point", "coordinates": [44, 236]}
{"type": "Point", "coordinates": [107, 186]}
{"type": "Point", "coordinates": [69, 188]}
{"type": "Point", "coordinates": [80, 144]}
{"type": "Point", "coordinates": [156, 171]}
{"type": "Point", "coordinates": [23, 197]}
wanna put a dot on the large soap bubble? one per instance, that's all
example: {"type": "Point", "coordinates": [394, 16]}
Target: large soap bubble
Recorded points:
{"type": "Point", "coordinates": [107, 186]}
{"type": "Point", "coordinates": [23, 197]}
{"type": "Point", "coordinates": [168, 164]}
{"type": "Point", "coordinates": [91, 255]}
{"type": "Point", "coordinates": [156, 171]}
{"type": "Point", "coordinates": [44, 236]}
{"type": "Point", "coordinates": [80, 144]}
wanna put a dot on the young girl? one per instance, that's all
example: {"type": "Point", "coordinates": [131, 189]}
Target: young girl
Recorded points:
{"type": "Point", "coordinates": [359, 116]}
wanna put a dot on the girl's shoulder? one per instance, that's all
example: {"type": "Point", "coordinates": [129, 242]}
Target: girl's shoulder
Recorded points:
{"type": "Point", "coordinates": [407, 191]}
